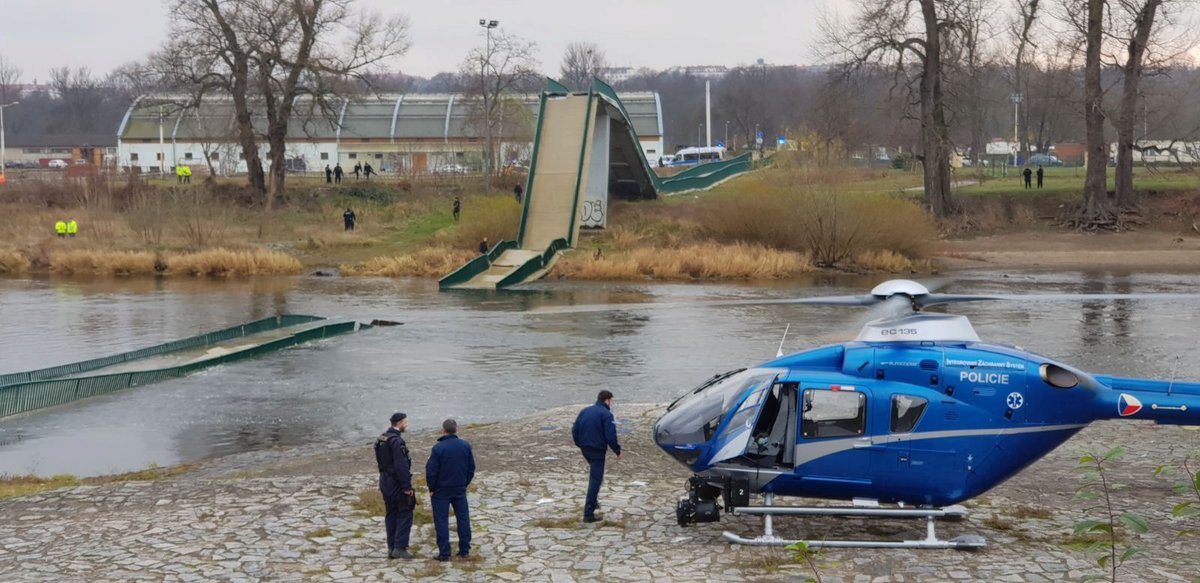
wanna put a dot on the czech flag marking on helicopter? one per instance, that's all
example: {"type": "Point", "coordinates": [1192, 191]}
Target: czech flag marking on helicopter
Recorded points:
{"type": "Point", "coordinates": [1128, 405]}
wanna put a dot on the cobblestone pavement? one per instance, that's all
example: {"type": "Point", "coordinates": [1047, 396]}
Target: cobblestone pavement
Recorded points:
{"type": "Point", "coordinates": [296, 516]}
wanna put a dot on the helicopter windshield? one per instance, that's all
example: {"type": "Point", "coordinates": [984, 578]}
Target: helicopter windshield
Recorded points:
{"type": "Point", "coordinates": [694, 418]}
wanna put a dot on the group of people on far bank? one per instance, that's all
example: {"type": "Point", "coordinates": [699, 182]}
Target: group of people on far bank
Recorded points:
{"type": "Point", "coordinates": [67, 228]}
{"type": "Point", "coordinates": [451, 468]}
{"type": "Point", "coordinates": [1028, 174]}
{"type": "Point", "coordinates": [334, 175]}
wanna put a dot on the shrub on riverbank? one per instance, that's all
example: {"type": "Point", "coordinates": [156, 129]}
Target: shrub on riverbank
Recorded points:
{"type": "Point", "coordinates": [427, 262]}
{"type": "Point", "coordinates": [224, 262]}
{"type": "Point", "coordinates": [698, 261]}
{"type": "Point", "coordinates": [93, 262]}
{"type": "Point", "coordinates": [212, 262]}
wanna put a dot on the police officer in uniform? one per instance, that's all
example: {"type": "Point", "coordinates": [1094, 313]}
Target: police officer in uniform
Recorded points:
{"type": "Point", "coordinates": [395, 482]}
{"type": "Point", "coordinates": [595, 432]}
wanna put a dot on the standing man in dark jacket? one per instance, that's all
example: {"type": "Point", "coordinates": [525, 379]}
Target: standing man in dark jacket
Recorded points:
{"type": "Point", "coordinates": [449, 471]}
{"type": "Point", "coordinates": [595, 432]}
{"type": "Point", "coordinates": [337, 173]}
{"type": "Point", "coordinates": [395, 482]}
{"type": "Point", "coordinates": [1027, 173]}
{"type": "Point", "coordinates": [1040, 175]}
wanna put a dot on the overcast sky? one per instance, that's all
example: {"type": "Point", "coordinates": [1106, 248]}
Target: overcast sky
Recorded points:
{"type": "Point", "coordinates": [40, 34]}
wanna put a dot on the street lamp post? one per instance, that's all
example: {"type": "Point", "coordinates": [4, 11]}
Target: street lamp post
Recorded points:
{"type": "Point", "coordinates": [1016, 99]}
{"type": "Point", "coordinates": [726, 142]}
{"type": "Point", "coordinates": [699, 130]}
{"type": "Point", "coordinates": [488, 25]}
{"type": "Point", "coordinates": [2, 151]}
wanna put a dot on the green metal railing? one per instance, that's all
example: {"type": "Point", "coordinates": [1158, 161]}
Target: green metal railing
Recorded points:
{"type": "Point", "coordinates": [39, 390]}
{"type": "Point", "coordinates": [206, 339]}
{"type": "Point", "coordinates": [475, 266]}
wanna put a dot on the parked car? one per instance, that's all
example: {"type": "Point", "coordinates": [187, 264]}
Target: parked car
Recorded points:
{"type": "Point", "coordinates": [1044, 160]}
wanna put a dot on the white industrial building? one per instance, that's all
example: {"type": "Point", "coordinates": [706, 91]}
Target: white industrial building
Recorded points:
{"type": "Point", "coordinates": [406, 133]}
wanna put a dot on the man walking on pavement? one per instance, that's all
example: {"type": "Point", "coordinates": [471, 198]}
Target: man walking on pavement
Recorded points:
{"type": "Point", "coordinates": [595, 432]}
{"type": "Point", "coordinates": [395, 482]}
{"type": "Point", "coordinates": [449, 471]}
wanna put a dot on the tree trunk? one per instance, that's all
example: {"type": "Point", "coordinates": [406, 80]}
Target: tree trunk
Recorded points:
{"type": "Point", "coordinates": [935, 138]}
{"type": "Point", "coordinates": [1127, 117]}
{"type": "Point", "coordinates": [1097, 207]}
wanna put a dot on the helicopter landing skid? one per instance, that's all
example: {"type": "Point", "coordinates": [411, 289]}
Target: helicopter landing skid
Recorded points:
{"type": "Point", "coordinates": [931, 541]}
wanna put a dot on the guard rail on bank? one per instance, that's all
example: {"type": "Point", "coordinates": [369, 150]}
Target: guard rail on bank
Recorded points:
{"type": "Point", "coordinates": [27, 391]}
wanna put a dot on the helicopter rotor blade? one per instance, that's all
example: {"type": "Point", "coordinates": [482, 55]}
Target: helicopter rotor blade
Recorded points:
{"type": "Point", "coordinates": [939, 299]}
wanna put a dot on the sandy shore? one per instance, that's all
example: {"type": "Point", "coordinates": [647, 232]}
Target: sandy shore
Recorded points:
{"type": "Point", "coordinates": [1036, 250]}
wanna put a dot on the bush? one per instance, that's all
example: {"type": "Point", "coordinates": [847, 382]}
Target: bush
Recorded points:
{"type": "Point", "coordinates": [903, 161]}
{"type": "Point", "coordinates": [831, 227]}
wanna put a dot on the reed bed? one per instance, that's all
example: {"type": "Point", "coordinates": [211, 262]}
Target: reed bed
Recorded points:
{"type": "Point", "coordinates": [738, 261]}
{"type": "Point", "coordinates": [224, 263]}
{"type": "Point", "coordinates": [425, 262]}
{"type": "Point", "coordinates": [13, 262]}
{"type": "Point", "coordinates": [94, 262]}
{"type": "Point", "coordinates": [884, 261]}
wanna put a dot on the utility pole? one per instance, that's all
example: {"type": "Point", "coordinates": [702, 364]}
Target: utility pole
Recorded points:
{"type": "Point", "coordinates": [708, 113]}
{"type": "Point", "coordinates": [162, 147]}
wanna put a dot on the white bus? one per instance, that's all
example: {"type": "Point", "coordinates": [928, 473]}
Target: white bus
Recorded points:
{"type": "Point", "coordinates": [693, 156]}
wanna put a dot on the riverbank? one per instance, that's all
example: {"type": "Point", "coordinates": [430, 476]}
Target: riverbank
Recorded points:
{"type": "Point", "coordinates": [311, 515]}
{"type": "Point", "coordinates": [775, 224]}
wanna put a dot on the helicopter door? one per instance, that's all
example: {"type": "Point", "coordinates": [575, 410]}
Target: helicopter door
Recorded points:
{"type": "Point", "coordinates": [761, 431]}
{"type": "Point", "coordinates": [834, 447]}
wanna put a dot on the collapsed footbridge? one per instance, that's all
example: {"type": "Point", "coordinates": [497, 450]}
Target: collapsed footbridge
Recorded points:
{"type": "Point", "coordinates": [584, 150]}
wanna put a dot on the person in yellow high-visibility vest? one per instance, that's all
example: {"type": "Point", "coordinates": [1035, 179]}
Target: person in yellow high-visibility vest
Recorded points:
{"type": "Point", "coordinates": [187, 174]}
{"type": "Point", "coordinates": [60, 228]}
{"type": "Point", "coordinates": [179, 173]}
{"type": "Point", "coordinates": [72, 227]}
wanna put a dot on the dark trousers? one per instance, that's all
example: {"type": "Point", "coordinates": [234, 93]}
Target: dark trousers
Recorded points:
{"type": "Point", "coordinates": [399, 517]}
{"type": "Point", "coordinates": [441, 505]}
{"type": "Point", "coordinates": [1039, 181]}
{"type": "Point", "coordinates": [1026, 182]}
{"type": "Point", "coordinates": [595, 462]}
{"type": "Point", "coordinates": [349, 225]}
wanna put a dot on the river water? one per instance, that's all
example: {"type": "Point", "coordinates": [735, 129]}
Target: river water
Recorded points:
{"type": "Point", "coordinates": [483, 357]}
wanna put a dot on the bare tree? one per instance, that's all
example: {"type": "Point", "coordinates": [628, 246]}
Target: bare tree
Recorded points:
{"type": "Point", "coordinates": [1097, 208]}
{"type": "Point", "coordinates": [1143, 29]}
{"type": "Point", "coordinates": [1021, 29]}
{"type": "Point", "coordinates": [10, 77]}
{"type": "Point", "coordinates": [899, 32]}
{"type": "Point", "coordinates": [80, 95]}
{"type": "Point", "coordinates": [504, 65]}
{"type": "Point", "coordinates": [581, 61]}
{"type": "Point", "coordinates": [266, 54]}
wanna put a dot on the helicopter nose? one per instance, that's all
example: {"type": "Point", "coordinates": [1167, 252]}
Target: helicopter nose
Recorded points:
{"type": "Point", "coordinates": [678, 438]}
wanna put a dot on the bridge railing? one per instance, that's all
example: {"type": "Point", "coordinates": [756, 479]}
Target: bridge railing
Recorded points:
{"type": "Point", "coordinates": [206, 339]}
{"type": "Point", "coordinates": [47, 392]}
{"type": "Point", "coordinates": [475, 266]}
{"type": "Point", "coordinates": [534, 264]}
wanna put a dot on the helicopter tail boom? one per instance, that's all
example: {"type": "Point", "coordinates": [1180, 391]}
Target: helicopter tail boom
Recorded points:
{"type": "Point", "coordinates": [1164, 402]}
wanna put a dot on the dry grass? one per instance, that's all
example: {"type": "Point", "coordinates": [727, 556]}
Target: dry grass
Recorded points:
{"type": "Point", "coordinates": [318, 533]}
{"type": "Point", "coordinates": [224, 262]}
{"type": "Point", "coordinates": [426, 262]}
{"type": "Point", "coordinates": [370, 503]}
{"type": "Point", "coordinates": [93, 262]}
{"type": "Point", "coordinates": [14, 486]}
{"type": "Point", "coordinates": [699, 261]}
{"type": "Point", "coordinates": [555, 523]}
{"type": "Point", "coordinates": [13, 262]}
{"type": "Point", "coordinates": [494, 217]}
{"type": "Point", "coordinates": [885, 260]}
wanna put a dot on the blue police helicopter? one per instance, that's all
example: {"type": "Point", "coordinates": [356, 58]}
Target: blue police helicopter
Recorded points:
{"type": "Point", "coordinates": [909, 419]}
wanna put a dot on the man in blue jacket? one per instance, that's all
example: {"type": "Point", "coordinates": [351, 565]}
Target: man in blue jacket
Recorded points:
{"type": "Point", "coordinates": [395, 482]}
{"type": "Point", "coordinates": [448, 472]}
{"type": "Point", "coordinates": [595, 432]}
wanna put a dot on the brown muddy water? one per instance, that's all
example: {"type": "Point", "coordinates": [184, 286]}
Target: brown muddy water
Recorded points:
{"type": "Point", "coordinates": [482, 357]}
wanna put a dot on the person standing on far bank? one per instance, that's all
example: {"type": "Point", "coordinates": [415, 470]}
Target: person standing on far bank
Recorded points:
{"type": "Point", "coordinates": [595, 432]}
{"type": "Point", "coordinates": [456, 209]}
{"type": "Point", "coordinates": [348, 219]}
{"type": "Point", "coordinates": [395, 482]}
{"type": "Point", "coordinates": [449, 471]}
{"type": "Point", "coordinates": [1027, 174]}
{"type": "Point", "coordinates": [518, 190]}
{"type": "Point", "coordinates": [1040, 174]}
{"type": "Point", "coordinates": [328, 174]}
{"type": "Point", "coordinates": [338, 173]}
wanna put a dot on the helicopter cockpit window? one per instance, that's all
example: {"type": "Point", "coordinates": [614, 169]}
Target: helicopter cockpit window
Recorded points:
{"type": "Point", "coordinates": [834, 413]}
{"type": "Point", "coordinates": [906, 411]}
{"type": "Point", "coordinates": [695, 418]}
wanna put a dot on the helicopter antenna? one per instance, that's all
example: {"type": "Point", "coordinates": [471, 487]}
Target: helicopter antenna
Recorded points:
{"type": "Point", "coordinates": [779, 352]}
{"type": "Point", "coordinates": [1174, 370]}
